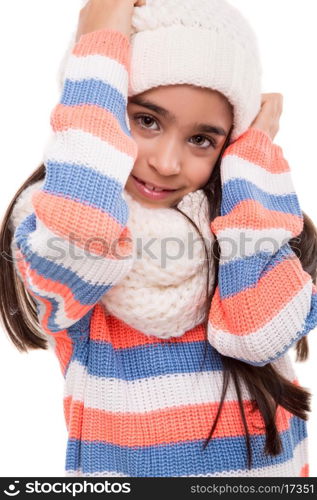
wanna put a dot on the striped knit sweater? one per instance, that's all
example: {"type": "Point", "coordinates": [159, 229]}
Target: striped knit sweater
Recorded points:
{"type": "Point", "coordinates": [137, 405]}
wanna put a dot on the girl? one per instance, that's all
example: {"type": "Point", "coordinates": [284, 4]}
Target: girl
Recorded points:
{"type": "Point", "coordinates": [161, 250]}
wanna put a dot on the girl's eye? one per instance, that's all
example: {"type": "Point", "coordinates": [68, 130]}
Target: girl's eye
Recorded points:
{"type": "Point", "coordinates": [147, 118]}
{"type": "Point", "coordinates": [144, 118]}
{"type": "Point", "coordinates": [211, 142]}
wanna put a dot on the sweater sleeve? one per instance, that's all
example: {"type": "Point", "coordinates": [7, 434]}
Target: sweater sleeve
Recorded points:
{"type": "Point", "coordinates": [75, 244]}
{"type": "Point", "coordinates": [264, 301]}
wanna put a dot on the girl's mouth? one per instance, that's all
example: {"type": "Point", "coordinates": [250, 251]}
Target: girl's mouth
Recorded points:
{"type": "Point", "coordinates": [150, 193]}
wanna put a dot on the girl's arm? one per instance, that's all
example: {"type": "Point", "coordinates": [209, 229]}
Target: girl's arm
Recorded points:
{"type": "Point", "coordinates": [75, 245]}
{"type": "Point", "coordinates": [264, 301]}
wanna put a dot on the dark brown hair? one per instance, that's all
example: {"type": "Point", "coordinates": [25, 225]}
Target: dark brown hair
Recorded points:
{"type": "Point", "coordinates": [266, 386]}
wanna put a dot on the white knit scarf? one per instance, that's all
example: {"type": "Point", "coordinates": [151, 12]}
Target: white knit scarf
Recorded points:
{"type": "Point", "coordinates": [164, 294]}
{"type": "Point", "coordinates": [165, 291]}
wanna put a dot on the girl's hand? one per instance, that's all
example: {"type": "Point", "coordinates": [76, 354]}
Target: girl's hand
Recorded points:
{"type": "Point", "coordinates": [102, 14]}
{"type": "Point", "coordinates": [269, 115]}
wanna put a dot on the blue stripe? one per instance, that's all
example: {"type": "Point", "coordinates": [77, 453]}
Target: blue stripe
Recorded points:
{"type": "Point", "coordinates": [83, 291]}
{"type": "Point", "coordinates": [240, 274]}
{"type": "Point", "coordinates": [95, 92]}
{"type": "Point", "coordinates": [86, 185]}
{"type": "Point", "coordinates": [237, 190]}
{"type": "Point", "coordinates": [51, 325]}
{"type": "Point", "coordinates": [222, 455]}
{"type": "Point", "coordinates": [133, 363]}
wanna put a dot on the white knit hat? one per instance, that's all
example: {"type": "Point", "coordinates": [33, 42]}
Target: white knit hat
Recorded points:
{"type": "Point", "coordinates": [207, 43]}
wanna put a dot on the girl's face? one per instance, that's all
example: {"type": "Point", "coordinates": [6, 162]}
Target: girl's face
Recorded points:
{"type": "Point", "coordinates": [179, 131]}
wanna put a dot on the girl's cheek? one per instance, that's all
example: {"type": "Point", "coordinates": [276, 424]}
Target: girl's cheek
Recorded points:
{"type": "Point", "coordinates": [200, 174]}
{"type": "Point", "coordinates": [145, 147]}
{"type": "Point", "coordinates": [136, 136]}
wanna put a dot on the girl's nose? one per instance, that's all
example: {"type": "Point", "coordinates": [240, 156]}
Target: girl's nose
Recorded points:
{"type": "Point", "coordinates": [167, 158]}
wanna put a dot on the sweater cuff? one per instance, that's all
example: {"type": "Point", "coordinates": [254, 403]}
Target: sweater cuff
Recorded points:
{"type": "Point", "coordinates": [256, 146]}
{"type": "Point", "coordinates": [260, 136]}
{"type": "Point", "coordinates": [263, 142]}
{"type": "Point", "coordinates": [106, 42]}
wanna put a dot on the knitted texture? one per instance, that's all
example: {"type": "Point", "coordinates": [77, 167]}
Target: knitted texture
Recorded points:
{"type": "Point", "coordinates": [137, 405]}
{"type": "Point", "coordinates": [170, 264]}
{"type": "Point", "coordinates": [169, 261]}
{"type": "Point", "coordinates": [206, 43]}
{"type": "Point", "coordinates": [263, 287]}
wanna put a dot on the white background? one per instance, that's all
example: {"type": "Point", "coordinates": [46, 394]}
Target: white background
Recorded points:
{"type": "Point", "coordinates": [33, 39]}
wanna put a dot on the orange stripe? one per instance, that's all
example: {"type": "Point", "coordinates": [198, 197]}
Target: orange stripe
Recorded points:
{"type": "Point", "coordinates": [272, 293]}
{"type": "Point", "coordinates": [95, 120]}
{"type": "Point", "coordinates": [73, 414]}
{"type": "Point", "coordinates": [304, 471]}
{"type": "Point", "coordinates": [256, 148]}
{"type": "Point", "coordinates": [106, 42]}
{"type": "Point", "coordinates": [86, 227]}
{"type": "Point", "coordinates": [63, 349]}
{"type": "Point", "coordinates": [186, 423]}
{"type": "Point", "coordinates": [66, 405]}
{"type": "Point", "coordinates": [63, 343]}
{"type": "Point", "coordinates": [251, 214]}
{"type": "Point", "coordinates": [107, 328]}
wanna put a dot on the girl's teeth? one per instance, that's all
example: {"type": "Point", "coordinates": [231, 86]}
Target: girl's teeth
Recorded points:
{"type": "Point", "coordinates": [152, 188]}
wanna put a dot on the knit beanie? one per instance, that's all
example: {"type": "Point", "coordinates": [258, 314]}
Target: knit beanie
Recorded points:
{"type": "Point", "coordinates": [206, 43]}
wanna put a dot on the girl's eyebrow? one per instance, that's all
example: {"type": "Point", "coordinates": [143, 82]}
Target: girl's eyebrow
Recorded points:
{"type": "Point", "coordinates": [204, 127]}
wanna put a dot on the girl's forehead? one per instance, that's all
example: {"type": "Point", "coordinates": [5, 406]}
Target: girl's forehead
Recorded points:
{"type": "Point", "coordinates": [186, 103]}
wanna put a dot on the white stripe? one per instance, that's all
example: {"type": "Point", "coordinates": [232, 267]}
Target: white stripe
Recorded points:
{"type": "Point", "coordinates": [82, 148]}
{"type": "Point", "coordinates": [101, 68]}
{"type": "Point", "coordinates": [147, 394]}
{"type": "Point", "coordinates": [234, 167]}
{"type": "Point", "coordinates": [236, 243]}
{"type": "Point", "coordinates": [284, 365]}
{"type": "Point", "coordinates": [289, 468]}
{"type": "Point", "coordinates": [261, 345]}
{"type": "Point", "coordinates": [79, 473]}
